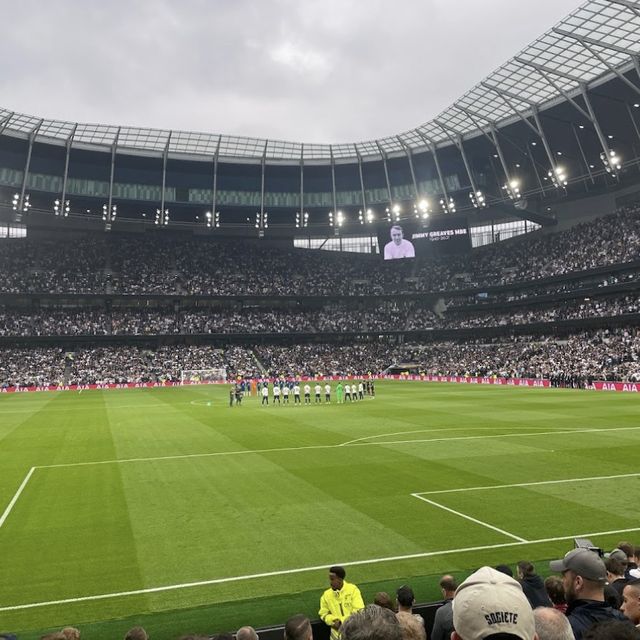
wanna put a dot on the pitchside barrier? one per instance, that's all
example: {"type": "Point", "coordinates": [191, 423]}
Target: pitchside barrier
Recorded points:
{"type": "Point", "coordinates": [321, 630]}
{"type": "Point", "coordinates": [631, 387]}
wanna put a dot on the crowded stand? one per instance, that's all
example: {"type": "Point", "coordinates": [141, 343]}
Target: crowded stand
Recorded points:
{"type": "Point", "coordinates": [334, 318]}
{"type": "Point", "coordinates": [596, 355]}
{"type": "Point", "coordinates": [197, 267]}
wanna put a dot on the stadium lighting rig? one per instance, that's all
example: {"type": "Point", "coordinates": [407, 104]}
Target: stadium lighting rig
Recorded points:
{"type": "Point", "coordinates": [559, 177]}
{"type": "Point", "coordinates": [21, 203]}
{"type": "Point", "coordinates": [162, 217]}
{"type": "Point", "coordinates": [105, 212]}
{"type": "Point", "coordinates": [212, 220]}
{"type": "Point", "coordinates": [395, 211]}
{"type": "Point", "coordinates": [448, 205]}
{"type": "Point", "coordinates": [340, 218]}
{"type": "Point", "coordinates": [513, 190]}
{"type": "Point", "coordinates": [302, 219]}
{"type": "Point", "coordinates": [422, 209]}
{"type": "Point", "coordinates": [478, 199]}
{"type": "Point", "coordinates": [331, 218]}
{"type": "Point", "coordinates": [612, 162]}
{"type": "Point", "coordinates": [61, 209]}
{"type": "Point", "coordinates": [370, 216]}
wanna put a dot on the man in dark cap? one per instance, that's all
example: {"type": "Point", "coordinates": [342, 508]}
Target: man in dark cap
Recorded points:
{"type": "Point", "coordinates": [584, 576]}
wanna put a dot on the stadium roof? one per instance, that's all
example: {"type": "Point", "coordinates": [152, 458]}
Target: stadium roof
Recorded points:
{"type": "Point", "coordinates": [598, 41]}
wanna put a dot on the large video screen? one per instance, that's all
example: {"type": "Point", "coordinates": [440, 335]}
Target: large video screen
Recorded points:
{"type": "Point", "coordinates": [442, 235]}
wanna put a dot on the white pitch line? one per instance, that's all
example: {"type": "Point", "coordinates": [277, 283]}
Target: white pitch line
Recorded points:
{"type": "Point", "coordinates": [11, 504]}
{"type": "Point", "coordinates": [330, 446]}
{"type": "Point", "coordinates": [322, 567]}
{"type": "Point", "coordinates": [401, 433]}
{"type": "Point", "coordinates": [466, 517]}
{"type": "Point", "coordinates": [526, 484]}
{"type": "Point", "coordinates": [498, 435]}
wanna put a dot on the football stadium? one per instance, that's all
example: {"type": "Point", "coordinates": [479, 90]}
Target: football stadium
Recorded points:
{"type": "Point", "coordinates": [253, 387]}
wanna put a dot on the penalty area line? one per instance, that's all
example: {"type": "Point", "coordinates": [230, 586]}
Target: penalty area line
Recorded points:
{"type": "Point", "coordinates": [12, 504]}
{"type": "Point", "coordinates": [471, 519]}
{"type": "Point", "coordinates": [321, 567]}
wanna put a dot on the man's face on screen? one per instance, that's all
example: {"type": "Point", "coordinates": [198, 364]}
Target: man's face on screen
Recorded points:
{"type": "Point", "coordinates": [396, 235]}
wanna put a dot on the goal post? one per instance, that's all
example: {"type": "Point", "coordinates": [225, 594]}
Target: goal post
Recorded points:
{"type": "Point", "coordinates": [203, 376]}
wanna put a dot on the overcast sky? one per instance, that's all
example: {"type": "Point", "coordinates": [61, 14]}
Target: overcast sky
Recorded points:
{"type": "Point", "coordinates": [303, 70]}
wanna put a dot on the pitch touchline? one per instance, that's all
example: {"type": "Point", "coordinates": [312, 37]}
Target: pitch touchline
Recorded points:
{"type": "Point", "coordinates": [322, 567]}
{"type": "Point", "coordinates": [332, 446]}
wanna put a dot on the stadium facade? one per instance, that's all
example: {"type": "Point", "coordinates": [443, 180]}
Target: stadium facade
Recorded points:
{"type": "Point", "coordinates": [559, 121]}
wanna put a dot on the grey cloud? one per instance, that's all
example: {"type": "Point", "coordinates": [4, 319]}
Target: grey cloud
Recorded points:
{"type": "Point", "coordinates": [312, 70]}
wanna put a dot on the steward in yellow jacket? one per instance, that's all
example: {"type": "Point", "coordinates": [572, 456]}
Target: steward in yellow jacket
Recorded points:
{"type": "Point", "coordinates": [339, 601]}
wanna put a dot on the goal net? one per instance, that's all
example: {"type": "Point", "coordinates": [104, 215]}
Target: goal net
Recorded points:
{"type": "Point", "coordinates": [203, 376]}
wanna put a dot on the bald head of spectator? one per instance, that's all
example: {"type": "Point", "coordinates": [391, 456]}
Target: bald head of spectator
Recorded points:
{"type": "Point", "coordinates": [246, 633]}
{"type": "Point", "coordinates": [552, 624]}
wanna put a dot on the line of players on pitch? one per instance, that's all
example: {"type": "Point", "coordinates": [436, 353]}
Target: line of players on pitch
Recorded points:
{"type": "Point", "coordinates": [282, 390]}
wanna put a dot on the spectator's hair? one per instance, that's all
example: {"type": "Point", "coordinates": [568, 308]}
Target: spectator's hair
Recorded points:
{"type": "Point", "coordinates": [614, 566]}
{"type": "Point", "coordinates": [611, 630]}
{"type": "Point", "coordinates": [136, 633]}
{"type": "Point", "coordinates": [412, 628]}
{"type": "Point", "coordinates": [70, 633]}
{"type": "Point", "coordinates": [56, 635]}
{"type": "Point", "coordinates": [506, 569]}
{"type": "Point", "coordinates": [397, 226]}
{"type": "Point", "coordinates": [225, 635]}
{"type": "Point", "coordinates": [627, 547]}
{"type": "Point", "coordinates": [339, 571]}
{"type": "Point", "coordinates": [297, 627]}
{"type": "Point", "coordinates": [246, 633]}
{"type": "Point", "coordinates": [448, 583]}
{"type": "Point", "coordinates": [526, 568]}
{"type": "Point", "coordinates": [382, 599]}
{"type": "Point", "coordinates": [555, 589]}
{"type": "Point", "coordinates": [405, 596]}
{"type": "Point", "coordinates": [552, 624]}
{"type": "Point", "coordinates": [371, 623]}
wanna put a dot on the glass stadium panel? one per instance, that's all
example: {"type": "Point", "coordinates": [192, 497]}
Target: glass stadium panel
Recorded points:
{"type": "Point", "coordinates": [10, 177]}
{"type": "Point", "coordinates": [92, 134]}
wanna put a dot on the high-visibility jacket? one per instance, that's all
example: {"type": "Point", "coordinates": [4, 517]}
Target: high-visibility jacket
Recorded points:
{"type": "Point", "coordinates": [339, 605]}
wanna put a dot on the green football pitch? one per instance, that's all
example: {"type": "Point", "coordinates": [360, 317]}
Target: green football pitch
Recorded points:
{"type": "Point", "coordinates": [167, 508]}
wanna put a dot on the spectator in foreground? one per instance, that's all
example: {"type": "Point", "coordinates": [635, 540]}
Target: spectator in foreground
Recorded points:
{"type": "Point", "coordinates": [443, 621]}
{"type": "Point", "coordinates": [555, 591]}
{"type": "Point", "coordinates": [631, 601]}
{"type": "Point", "coordinates": [246, 633]}
{"type": "Point", "coordinates": [298, 627]}
{"type": "Point", "coordinates": [532, 585]}
{"type": "Point", "coordinates": [615, 576]}
{"type": "Point", "coordinates": [552, 624]}
{"type": "Point", "coordinates": [339, 601]}
{"type": "Point", "coordinates": [584, 577]}
{"type": "Point", "coordinates": [136, 633]}
{"type": "Point", "coordinates": [383, 599]}
{"type": "Point", "coordinates": [612, 630]}
{"type": "Point", "coordinates": [372, 623]}
{"type": "Point", "coordinates": [412, 626]}
{"type": "Point", "coordinates": [490, 604]}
